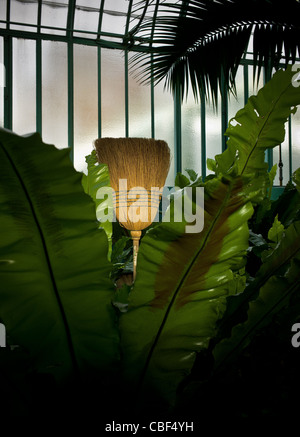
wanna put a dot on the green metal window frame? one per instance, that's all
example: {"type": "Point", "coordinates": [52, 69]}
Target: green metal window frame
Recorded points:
{"type": "Point", "coordinates": [126, 46]}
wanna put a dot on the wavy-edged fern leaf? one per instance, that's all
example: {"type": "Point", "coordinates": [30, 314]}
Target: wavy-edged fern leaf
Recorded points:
{"type": "Point", "coordinates": [260, 125]}
{"type": "Point", "coordinates": [276, 282]}
{"type": "Point", "coordinates": [55, 292]}
{"type": "Point", "coordinates": [181, 288]}
{"type": "Point", "coordinates": [98, 177]}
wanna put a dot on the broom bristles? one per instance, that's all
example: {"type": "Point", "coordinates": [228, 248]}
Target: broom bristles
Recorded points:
{"type": "Point", "coordinates": [144, 163]}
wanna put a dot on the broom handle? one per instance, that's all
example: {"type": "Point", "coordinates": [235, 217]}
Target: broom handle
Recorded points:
{"type": "Point", "coordinates": [135, 235]}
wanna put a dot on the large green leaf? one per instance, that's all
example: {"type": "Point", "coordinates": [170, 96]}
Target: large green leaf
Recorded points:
{"type": "Point", "coordinates": [260, 125]}
{"type": "Point", "coordinates": [296, 179]}
{"type": "Point", "coordinates": [181, 287]}
{"type": "Point", "coordinates": [276, 282]}
{"type": "Point", "coordinates": [98, 177]}
{"type": "Point", "coordinates": [55, 297]}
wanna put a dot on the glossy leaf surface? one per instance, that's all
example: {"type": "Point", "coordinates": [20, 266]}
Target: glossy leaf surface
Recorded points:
{"type": "Point", "coordinates": [181, 288]}
{"type": "Point", "coordinates": [55, 295]}
{"type": "Point", "coordinates": [97, 178]}
{"type": "Point", "coordinates": [277, 280]}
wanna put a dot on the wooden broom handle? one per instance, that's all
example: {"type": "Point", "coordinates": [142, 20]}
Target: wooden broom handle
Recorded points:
{"type": "Point", "coordinates": [135, 235]}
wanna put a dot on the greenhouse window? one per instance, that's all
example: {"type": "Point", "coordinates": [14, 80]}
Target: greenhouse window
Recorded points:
{"type": "Point", "coordinates": [67, 68]}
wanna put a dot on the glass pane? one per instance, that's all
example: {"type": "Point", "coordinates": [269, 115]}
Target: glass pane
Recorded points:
{"type": "Point", "coordinates": [2, 83]}
{"type": "Point", "coordinates": [237, 103]}
{"type": "Point", "coordinates": [191, 134]}
{"type": "Point", "coordinates": [3, 13]}
{"type": "Point", "coordinates": [23, 13]}
{"type": "Point", "coordinates": [253, 87]}
{"type": "Point", "coordinates": [135, 14]}
{"type": "Point", "coordinates": [112, 93]}
{"type": "Point", "coordinates": [55, 93]}
{"type": "Point", "coordinates": [114, 16]}
{"type": "Point", "coordinates": [86, 17]}
{"type": "Point", "coordinates": [213, 131]}
{"type": "Point", "coordinates": [296, 140]}
{"type": "Point", "coordinates": [85, 103]}
{"type": "Point", "coordinates": [54, 14]}
{"type": "Point", "coordinates": [164, 123]}
{"type": "Point", "coordinates": [24, 80]}
{"type": "Point", "coordinates": [250, 48]}
{"type": "Point", "coordinates": [139, 105]}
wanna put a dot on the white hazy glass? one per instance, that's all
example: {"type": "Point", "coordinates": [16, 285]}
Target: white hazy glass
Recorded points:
{"type": "Point", "coordinates": [237, 103]}
{"type": "Point", "coordinates": [2, 83]}
{"type": "Point", "coordinates": [114, 16]}
{"type": "Point", "coordinates": [139, 106]}
{"type": "Point", "coordinates": [191, 133]}
{"type": "Point", "coordinates": [112, 93]}
{"type": "Point", "coordinates": [85, 103]}
{"type": "Point", "coordinates": [86, 17]}
{"type": "Point", "coordinates": [3, 13]}
{"type": "Point", "coordinates": [213, 131]}
{"type": "Point", "coordinates": [24, 80]}
{"type": "Point", "coordinates": [249, 50]}
{"type": "Point", "coordinates": [164, 123]}
{"type": "Point", "coordinates": [296, 140]}
{"type": "Point", "coordinates": [55, 16]}
{"type": "Point", "coordinates": [55, 93]}
{"type": "Point", "coordinates": [93, 4]}
{"type": "Point", "coordinates": [254, 87]}
{"type": "Point", "coordinates": [23, 13]}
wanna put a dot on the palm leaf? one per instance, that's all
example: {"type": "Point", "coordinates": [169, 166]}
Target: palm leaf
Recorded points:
{"type": "Point", "coordinates": [55, 297]}
{"type": "Point", "coordinates": [204, 41]}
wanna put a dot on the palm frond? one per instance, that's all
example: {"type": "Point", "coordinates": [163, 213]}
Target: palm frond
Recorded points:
{"type": "Point", "coordinates": [200, 44]}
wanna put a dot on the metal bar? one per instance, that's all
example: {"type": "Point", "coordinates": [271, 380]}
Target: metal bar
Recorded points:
{"type": "Point", "coordinates": [71, 99]}
{"type": "Point", "coordinates": [153, 21]}
{"type": "Point", "coordinates": [152, 94]}
{"type": "Point", "coordinates": [152, 104]}
{"type": "Point", "coordinates": [30, 34]}
{"type": "Point", "coordinates": [203, 135]}
{"type": "Point", "coordinates": [76, 40]}
{"type": "Point", "coordinates": [280, 165]}
{"type": "Point", "coordinates": [269, 152]}
{"type": "Point", "coordinates": [38, 66]}
{"type": "Point", "coordinates": [290, 148]}
{"type": "Point", "coordinates": [8, 90]}
{"type": "Point", "coordinates": [71, 17]}
{"type": "Point", "coordinates": [64, 29]}
{"type": "Point", "coordinates": [246, 83]}
{"type": "Point", "coordinates": [224, 106]}
{"type": "Point", "coordinates": [145, 7]}
{"type": "Point", "coordinates": [126, 94]}
{"type": "Point", "coordinates": [70, 28]}
{"type": "Point", "coordinates": [39, 17]}
{"type": "Point", "coordinates": [128, 17]}
{"type": "Point", "coordinates": [100, 18]}
{"type": "Point", "coordinates": [7, 14]}
{"type": "Point", "coordinates": [177, 130]}
{"type": "Point", "coordinates": [39, 86]}
{"type": "Point", "coordinates": [99, 93]}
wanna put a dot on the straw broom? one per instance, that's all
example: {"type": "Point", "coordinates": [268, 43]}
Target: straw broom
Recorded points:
{"type": "Point", "coordinates": [138, 168]}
